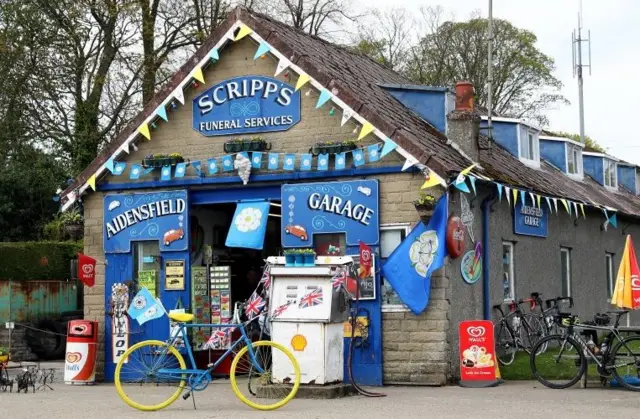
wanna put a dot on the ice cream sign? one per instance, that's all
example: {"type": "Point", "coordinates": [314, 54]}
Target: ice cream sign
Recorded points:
{"type": "Point", "coordinates": [335, 207]}
{"type": "Point", "coordinates": [245, 105]}
{"type": "Point", "coordinates": [158, 216]}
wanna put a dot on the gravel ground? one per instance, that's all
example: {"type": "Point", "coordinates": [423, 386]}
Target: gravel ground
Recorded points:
{"type": "Point", "coordinates": [514, 399]}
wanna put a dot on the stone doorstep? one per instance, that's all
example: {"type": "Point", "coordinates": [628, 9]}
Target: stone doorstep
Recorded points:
{"type": "Point", "coordinates": [329, 391]}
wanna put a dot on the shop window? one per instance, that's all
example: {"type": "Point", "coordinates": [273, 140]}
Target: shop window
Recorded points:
{"type": "Point", "coordinates": [608, 259]}
{"type": "Point", "coordinates": [146, 265]}
{"type": "Point", "coordinates": [390, 237]}
{"type": "Point", "coordinates": [329, 244]}
{"type": "Point", "coordinates": [508, 280]}
{"type": "Point", "coordinates": [565, 270]}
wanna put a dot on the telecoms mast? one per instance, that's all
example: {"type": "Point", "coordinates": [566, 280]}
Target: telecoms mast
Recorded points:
{"type": "Point", "coordinates": [576, 44]}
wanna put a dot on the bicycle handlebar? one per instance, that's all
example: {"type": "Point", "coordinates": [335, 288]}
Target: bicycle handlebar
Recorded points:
{"type": "Point", "coordinates": [552, 302]}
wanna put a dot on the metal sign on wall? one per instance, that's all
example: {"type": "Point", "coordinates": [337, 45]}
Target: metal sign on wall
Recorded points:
{"type": "Point", "coordinates": [332, 207]}
{"type": "Point", "coordinates": [530, 220]}
{"type": "Point", "coordinates": [158, 216]}
{"type": "Point", "coordinates": [248, 104]}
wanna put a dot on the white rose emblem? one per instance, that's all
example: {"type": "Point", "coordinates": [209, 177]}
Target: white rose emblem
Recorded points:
{"type": "Point", "coordinates": [152, 311]}
{"type": "Point", "coordinates": [340, 160]}
{"type": "Point", "coordinates": [139, 302]}
{"type": "Point", "coordinates": [248, 220]}
{"type": "Point", "coordinates": [358, 157]}
{"type": "Point", "coordinates": [423, 251]}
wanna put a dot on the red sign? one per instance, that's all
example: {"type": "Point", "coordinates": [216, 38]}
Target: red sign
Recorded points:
{"type": "Point", "coordinates": [86, 269]}
{"type": "Point", "coordinates": [365, 261]}
{"type": "Point", "coordinates": [477, 351]}
{"type": "Point", "coordinates": [455, 237]}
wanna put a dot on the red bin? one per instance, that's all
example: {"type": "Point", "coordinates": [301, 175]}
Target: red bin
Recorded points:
{"type": "Point", "coordinates": [82, 350]}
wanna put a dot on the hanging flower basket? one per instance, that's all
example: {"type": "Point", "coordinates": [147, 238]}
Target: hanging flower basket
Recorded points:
{"type": "Point", "coordinates": [347, 146]}
{"type": "Point", "coordinates": [161, 160]}
{"type": "Point", "coordinates": [246, 144]}
{"type": "Point", "coordinates": [425, 205]}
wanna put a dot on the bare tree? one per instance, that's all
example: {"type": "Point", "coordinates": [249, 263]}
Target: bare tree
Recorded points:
{"type": "Point", "coordinates": [387, 38]}
{"type": "Point", "coordinates": [316, 17]}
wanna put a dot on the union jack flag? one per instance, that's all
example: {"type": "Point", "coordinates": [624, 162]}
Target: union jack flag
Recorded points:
{"type": "Point", "coordinates": [313, 298]}
{"type": "Point", "coordinates": [339, 278]}
{"type": "Point", "coordinates": [266, 278]}
{"type": "Point", "coordinates": [255, 305]}
{"type": "Point", "coordinates": [217, 337]}
{"type": "Point", "coordinates": [278, 311]}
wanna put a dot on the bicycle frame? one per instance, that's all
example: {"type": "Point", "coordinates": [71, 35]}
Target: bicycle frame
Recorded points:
{"type": "Point", "coordinates": [202, 375]}
{"type": "Point", "coordinates": [612, 331]}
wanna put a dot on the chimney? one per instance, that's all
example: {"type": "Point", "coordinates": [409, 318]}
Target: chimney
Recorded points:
{"type": "Point", "coordinates": [463, 124]}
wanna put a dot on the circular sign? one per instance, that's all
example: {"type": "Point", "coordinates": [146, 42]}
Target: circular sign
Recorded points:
{"type": "Point", "coordinates": [455, 237]}
{"type": "Point", "coordinates": [471, 267]}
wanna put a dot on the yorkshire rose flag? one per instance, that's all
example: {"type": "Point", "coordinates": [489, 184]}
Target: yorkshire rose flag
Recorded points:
{"type": "Point", "coordinates": [626, 293]}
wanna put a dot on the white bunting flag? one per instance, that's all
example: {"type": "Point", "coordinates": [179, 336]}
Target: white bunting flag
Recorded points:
{"type": "Point", "coordinates": [347, 113]}
{"type": "Point", "coordinates": [282, 65]}
{"type": "Point", "coordinates": [179, 95]}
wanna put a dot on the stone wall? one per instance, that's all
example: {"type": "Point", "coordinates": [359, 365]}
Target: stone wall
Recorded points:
{"type": "Point", "coordinates": [20, 351]}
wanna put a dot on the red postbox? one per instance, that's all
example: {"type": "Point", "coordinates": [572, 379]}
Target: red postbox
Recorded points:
{"type": "Point", "coordinates": [82, 349]}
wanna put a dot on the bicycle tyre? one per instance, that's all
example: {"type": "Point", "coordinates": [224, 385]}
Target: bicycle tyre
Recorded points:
{"type": "Point", "coordinates": [234, 382]}
{"type": "Point", "coordinates": [123, 361]}
{"type": "Point", "coordinates": [531, 325]}
{"type": "Point", "coordinates": [620, 378]}
{"type": "Point", "coordinates": [562, 342]}
{"type": "Point", "coordinates": [505, 349]}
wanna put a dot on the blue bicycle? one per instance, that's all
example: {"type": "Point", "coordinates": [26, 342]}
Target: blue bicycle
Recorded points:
{"type": "Point", "coordinates": [152, 374]}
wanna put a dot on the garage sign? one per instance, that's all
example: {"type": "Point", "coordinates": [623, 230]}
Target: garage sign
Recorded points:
{"type": "Point", "coordinates": [157, 216]}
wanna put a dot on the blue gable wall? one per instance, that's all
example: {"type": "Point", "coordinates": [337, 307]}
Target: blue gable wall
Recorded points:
{"type": "Point", "coordinates": [554, 152]}
{"type": "Point", "coordinates": [428, 102]}
{"type": "Point", "coordinates": [505, 134]}
{"type": "Point", "coordinates": [593, 167]}
{"type": "Point", "coordinates": [627, 177]}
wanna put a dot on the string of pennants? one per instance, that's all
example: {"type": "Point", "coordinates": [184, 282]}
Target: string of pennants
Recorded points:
{"type": "Point", "coordinates": [196, 77]}
{"type": "Point", "coordinates": [259, 160]}
{"type": "Point", "coordinates": [511, 195]}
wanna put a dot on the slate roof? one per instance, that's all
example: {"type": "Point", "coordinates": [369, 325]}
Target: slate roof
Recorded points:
{"type": "Point", "coordinates": [357, 81]}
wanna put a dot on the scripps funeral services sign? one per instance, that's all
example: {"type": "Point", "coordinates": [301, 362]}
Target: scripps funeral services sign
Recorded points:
{"type": "Point", "coordinates": [248, 104]}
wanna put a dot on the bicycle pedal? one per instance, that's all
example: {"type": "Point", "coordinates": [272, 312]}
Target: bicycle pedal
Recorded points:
{"type": "Point", "coordinates": [186, 395]}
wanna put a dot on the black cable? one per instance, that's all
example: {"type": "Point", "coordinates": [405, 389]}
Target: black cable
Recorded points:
{"type": "Point", "coordinates": [354, 320]}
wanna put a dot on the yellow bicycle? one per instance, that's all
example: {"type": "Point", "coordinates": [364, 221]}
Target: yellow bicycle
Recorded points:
{"type": "Point", "coordinates": [152, 374]}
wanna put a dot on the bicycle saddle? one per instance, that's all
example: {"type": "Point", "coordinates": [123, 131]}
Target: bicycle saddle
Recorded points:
{"type": "Point", "coordinates": [181, 317]}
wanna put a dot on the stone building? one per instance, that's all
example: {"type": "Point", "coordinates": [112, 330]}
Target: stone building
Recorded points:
{"type": "Point", "coordinates": [402, 133]}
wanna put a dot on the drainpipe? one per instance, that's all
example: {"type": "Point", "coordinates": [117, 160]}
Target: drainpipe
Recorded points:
{"type": "Point", "coordinates": [486, 292]}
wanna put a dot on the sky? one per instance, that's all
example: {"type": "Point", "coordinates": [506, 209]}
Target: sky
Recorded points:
{"type": "Point", "coordinates": [611, 112]}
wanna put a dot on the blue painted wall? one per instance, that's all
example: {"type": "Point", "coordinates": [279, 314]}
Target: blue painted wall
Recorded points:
{"type": "Point", "coordinates": [593, 167]}
{"type": "Point", "coordinates": [627, 177]}
{"type": "Point", "coordinates": [505, 134]}
{"type": "Point", "coordinates": [429, 104]}
{"type": "Point", "coordinates": [555, 153]}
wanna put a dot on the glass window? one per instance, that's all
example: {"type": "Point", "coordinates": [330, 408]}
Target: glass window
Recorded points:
{"type": "Point", "coordinates": [608, 258]}
{"type": "Point", "coordinates": [610, 173]}
{"type": "Point", "coordinates": [329, 244]}
{"type": "Point", "coordinates": [390, 238]}
{"type": "Point", "coordinates": [528, 145]}
{"type": "Point", "coordinates": [565, 270]}
{"type": "Point", "coordinates": [508, 281]}
{"type": "Point", "coordinates": [146, 260]}
{"type": "Point", "coordinates": [573, 160]}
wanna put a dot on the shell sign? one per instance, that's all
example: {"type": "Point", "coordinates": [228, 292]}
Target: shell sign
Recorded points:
{"type": "Point", "coordinates": [298, 343]}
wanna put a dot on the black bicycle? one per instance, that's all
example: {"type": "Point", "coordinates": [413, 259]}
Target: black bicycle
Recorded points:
{"type": "Point", "coordinates": [565, 360]}
{"type": "Point", "coordinates": [515, 330]}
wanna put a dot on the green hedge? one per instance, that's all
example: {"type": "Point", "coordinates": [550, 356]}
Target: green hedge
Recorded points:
{"type": "Point", "coordinates": [37, 260]}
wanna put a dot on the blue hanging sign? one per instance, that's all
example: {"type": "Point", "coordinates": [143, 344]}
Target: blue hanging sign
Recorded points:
{"type": "Point", "coordinates": [334, 207]}
{"type": "Point", "coordinates": [530, 220]}
{"type": "Point", "coordinates": [244, 105]}
{"type": "Point", "coordinates": [158, 216]}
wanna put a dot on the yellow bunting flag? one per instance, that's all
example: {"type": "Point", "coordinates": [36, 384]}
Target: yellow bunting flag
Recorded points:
{"type": "Point", "coordinates": [468, 169]}
{"type": "Point", "coordinates": [431, 181]}
{"type": "Point", "coordinates": [515, 196]}
{"type": "Point", "coordinates": [197, 74]}
{"type": "Point", "coordinates": [244, 31]}
{"type": "Point", "coordinates": [566, 205]}
{"type": "Point", "coordinates": [92, 182]}
{"type": "Point", "coordinates": [302, 80]}
{"type": "Point", "coordinates": [367, 129]}
{"type": "Point", "coordinates": [144, 130]}
{"type": "Point", "coordinates": [538, 200]}
{"type": "Point", "coordinates": [582, 208]}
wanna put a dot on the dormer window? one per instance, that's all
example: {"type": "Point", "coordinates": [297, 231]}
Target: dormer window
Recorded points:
{"type": "Point", "coordinates": [610, 173]}
{"type": "Point", "coordinates": [574, 160]}
{"type": "Point", "coordinates": [529, 146]}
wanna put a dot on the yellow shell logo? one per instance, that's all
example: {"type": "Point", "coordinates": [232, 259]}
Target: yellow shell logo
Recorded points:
{"type": "Point", "coordinates": [298, 343]}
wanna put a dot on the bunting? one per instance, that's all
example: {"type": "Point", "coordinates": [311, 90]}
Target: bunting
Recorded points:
{"type": "Point", "coordinates": [506, 191]}
{"type": "Point", "coordinates": [549, 204]}
{"type": "Point", "coordinates": [582, 209]}
{"type": "Point", "coordinates": [472, 180]}
{"type": "Point", "coordinates": [282, 65]}
{"type": "Point", "coordinates": [523, 197]}
{"type": "Point", "coordinates": [533, 200]}
{"type": "Point", "coordinates": [389, 146]}
{"type": "Point", "coordinates": [325, 96]}
{"type": "Point", "coordinates": [566, 206]}
{"type": "Point", "coordinates": [144, 130]}
{"type": "Point", "coordinates": [367, 129]}
{"type": "Point", "coordinates": [179, 95]}
{"type": "Point", "coordinates": [538, 200]}
{"type": "Point", "coordinates": [263, 48]}
{"type": "Point", "coordinates": [92, 182]}
{"type": "Point", "coordinates": [302, 80]}
{"type": "Point", "coordinates": [162, 112]}
{"type": "Point", "coordinates": [244, 31]}
{"type": "Point", "coordinates": [347, 114]}
{"type": "Point", "coordinates": [109, 165]}
{"type": "Point", "coordinates": [515, 196]}
{"type": "Point", "coordinates": [197, 74]}
{"type": "Point", "coordinates": [555, 204]}
{"type": "Point", "coordinates": [499, 186]}
{"type": "Point", "coordinates": [214, 54]}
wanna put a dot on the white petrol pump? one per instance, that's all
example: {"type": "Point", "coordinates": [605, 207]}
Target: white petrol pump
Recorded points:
{"type": "Point", "coordinates": [308, 314]}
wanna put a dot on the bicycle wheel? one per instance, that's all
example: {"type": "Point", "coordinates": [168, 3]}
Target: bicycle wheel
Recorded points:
{"type": "Point", "coordinates": [137, 378]}
{"type": "Point", "coordinates": [264, 389]}
{"type": "Point", "coordinates": [625, 363]}
{"type": "Point", "coordinates": [558, 367]}
{"type": "Point", "coordinates": [505, 343]}
{"type": "Point", "coordinates": [531, 331]}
